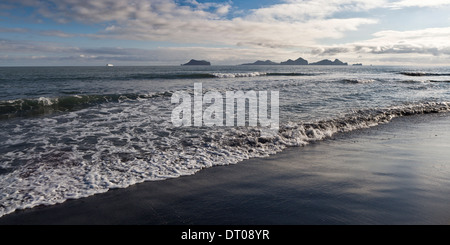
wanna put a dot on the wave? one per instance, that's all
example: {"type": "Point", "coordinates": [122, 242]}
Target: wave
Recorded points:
{"type": "Point", "coordinates": [362, 119]}
{"type": "Point", "coordinates": [424, 74]}
{"type": "Point", "coordinates": [213, 75]}
{"type": "Point", "coordinates": [258, 74]}
{"type": "Point", "coordinates": [357, 80]}
{"type": "Point", "coordinates": [44, 105]}
{"type": "Point", "coordinates": [120, 77]}
{"type": "Point", "coordinates": [61, 175]}
{"type": "Point", "coordinates": [171, 76]}
{"type": "Point", "coordinates": [234, 75]}
{"type": "Point", "coordinates": [168, 76]}
{"type": "Point", "coordinates": [292, 74]}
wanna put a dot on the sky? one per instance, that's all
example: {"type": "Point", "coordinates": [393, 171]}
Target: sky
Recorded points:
{"type": "Point", "coordinates": [224, 32]}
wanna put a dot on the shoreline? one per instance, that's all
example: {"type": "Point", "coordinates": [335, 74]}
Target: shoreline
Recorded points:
{"type": "Point", "coordinates": [395, 173]}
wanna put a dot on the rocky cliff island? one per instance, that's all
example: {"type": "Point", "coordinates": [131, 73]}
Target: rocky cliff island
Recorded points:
{"type": "Point", "coordinates": [299, 62]}
{"type": "Point", "coordinates": [336, 62]}
{"type": "Point", "coordinates": [197, 63]}
{"type": "Point", "coordinates": [261, 63]}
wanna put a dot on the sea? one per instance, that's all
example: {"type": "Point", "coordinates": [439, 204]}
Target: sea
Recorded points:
{"type": "Point", "coordinates": [72, 132]}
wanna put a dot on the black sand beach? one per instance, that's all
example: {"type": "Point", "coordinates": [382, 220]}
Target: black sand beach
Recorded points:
{"type": "Point", "coordinates": [397, 173]}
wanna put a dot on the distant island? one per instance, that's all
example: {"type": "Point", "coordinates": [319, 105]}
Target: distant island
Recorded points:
{"type": "Point", "coordinates": [197, 63]}
{"type": "Point", "coordinates": [261, 63]}
{"type": "Point", "coordinates": [336, 62]}
{"type": "Point", "coordinates": [300, 61]}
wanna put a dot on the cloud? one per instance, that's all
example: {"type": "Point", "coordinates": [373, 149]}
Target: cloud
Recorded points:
{"type": "Point", "coordinates": [279, 31]}
{"type": "Point", "coordinates": [418, 3]}
{"type": "Point", "coordinates": [236, 31]}
{"type": "Point", "coordinates": [429, 36]}
{"type": "Point", "coordinates": [13, 30]}
{"type": "Point", "coordinates": [223, 10]}
{"type": "Point", "coordinates": [431, 41]}
{"type": "Point", "coordinates": [330, 51]}
{"type": "Point", "coordinates": [302, 10]}
{"type": "Point", "coordinates": [428, 45]}
{"type": "Point", "coordinates": [293, 23]}
{"type": "Point", "coordinates": [56, 33]}
{"type": "Point", "coordinates": [88, 11]}
{"type": "Point", "coordinates": [32, 47]}
{"type": "Point", "coordinates": [219, 8]}
{"type": "Point", "coordinates": [49, 53]}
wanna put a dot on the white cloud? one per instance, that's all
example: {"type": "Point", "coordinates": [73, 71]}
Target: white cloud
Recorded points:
{"type": "Point", "coordinates": [277, 32]}
{"type": "Point", "coordinates": [429, 38]}
{"type": "Point", "coordinates": [301, 10]}
{"type": "Point", "coordinates": [57, 54]}
{"type": "Point", "coordinates": [218, 8]}
{"type": "Point", "coordinates": [428, 45]}
{"type": "Point", "coordinates": [293, 23]}
{"type": "Point", "coordinates": [223, 10]}
{"type": "Point", "coordinates": [418, 3]}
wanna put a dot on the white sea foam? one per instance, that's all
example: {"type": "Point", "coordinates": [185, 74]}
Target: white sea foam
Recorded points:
{"type": "Point", "coordinates": [45, 101]}
{"type": "Point", "coordinates": [118, 146]}
{"type": "Point", "coordinates": [116, 133]}
{"type": "Point", "coordinates": [359, 80]}
{"type": "Point", "coordinates": [234, 75]}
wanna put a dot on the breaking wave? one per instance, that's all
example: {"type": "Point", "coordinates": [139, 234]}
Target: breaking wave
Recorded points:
{"type": "Point", "coordinates": [162, 76]}
{"type": "Point", "coordinates": [424, 74]}
{"type": "Point", "coordinates": [44, 105]}
{"type": "Point", "coordinates": [258, 74]}
{"type": "Point", "coordinates": [117, 155]}
{"type": "Point", "coordinates": [357, 80]}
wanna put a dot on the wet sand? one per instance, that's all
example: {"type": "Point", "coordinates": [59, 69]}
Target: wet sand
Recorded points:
{"type": "Point", "coordinates": [397, 173]}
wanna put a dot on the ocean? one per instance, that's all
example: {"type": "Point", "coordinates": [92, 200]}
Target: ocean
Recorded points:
{"type": "Point", "coordinates": [72, 132]}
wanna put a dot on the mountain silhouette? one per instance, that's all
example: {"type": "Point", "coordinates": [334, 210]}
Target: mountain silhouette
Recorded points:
{"type": "Point", "coordinates": [197, 63]}
{"type": "Point", "coordinates": [300, 62]}
{"type": "Point", "coordinates": [336, 62]}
